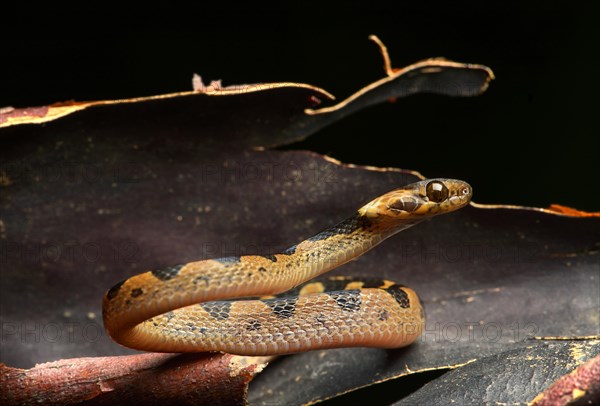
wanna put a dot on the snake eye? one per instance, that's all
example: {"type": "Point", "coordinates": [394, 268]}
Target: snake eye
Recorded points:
{"type": "Point", "coordinates": [437, 192]}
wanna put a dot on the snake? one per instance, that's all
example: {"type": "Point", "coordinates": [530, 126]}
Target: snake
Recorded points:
{"type": "Point", "coordinates": [239, 305]}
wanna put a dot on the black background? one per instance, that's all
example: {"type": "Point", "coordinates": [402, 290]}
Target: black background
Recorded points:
{"type": "Point", "coordinates": [531, 139]}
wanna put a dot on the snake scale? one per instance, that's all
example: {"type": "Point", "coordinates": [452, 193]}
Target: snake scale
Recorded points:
{"type": "Point", "coordinates": [188, 307]}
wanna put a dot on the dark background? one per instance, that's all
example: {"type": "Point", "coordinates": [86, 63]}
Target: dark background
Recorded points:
{"type": "Point", "coordinates": [530, 140]}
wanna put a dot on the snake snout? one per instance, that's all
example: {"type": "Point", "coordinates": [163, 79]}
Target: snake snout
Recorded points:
{"type": "Point", "coordinates": [460, 193]}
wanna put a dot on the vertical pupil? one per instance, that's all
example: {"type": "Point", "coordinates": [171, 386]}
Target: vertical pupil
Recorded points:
{"type": "Point", "coordinates": [436, 191]}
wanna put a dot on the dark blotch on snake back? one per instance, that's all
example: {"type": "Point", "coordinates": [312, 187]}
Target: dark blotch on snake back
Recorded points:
{"type": "Point", "coordinates": [337, 283]}
{"type": "Point", "coordinates": [289, 251]}
{"type": "Point", "coordinates": [282, 308]}
{"type": "Point", "coordinates": [136, 292]}
{"type": "Point", "coordinates": [114, 290]}
{"type": "Point", "coordinates": [254, 325]}
{"type": "Point", "coordinates": [383, 315]}
{"type": "Point", "coordinates": [348, 300]}
{"type": "Point", "coordinates": [348, 226]}
{"type": "Point", "coordinates": [270, 257]}
{"type": "Point", "coordinates": [217, 310]}
{"type": "Point", "coordinates": [228, 260]}
{"type": "Point", "coordinates": [400, 295]}
{"type": "Point", "coordinates": [332, 285]}
{"type": "Point", "coordinates": [202, 278]}
{"type": "Point", "coordinates": [373, 282]}
{"type": "Point", "coordinates": [167, 273]}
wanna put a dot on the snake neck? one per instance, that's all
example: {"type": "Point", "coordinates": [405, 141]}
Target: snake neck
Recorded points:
{"type": "Point", "coordinates": [343, 242]}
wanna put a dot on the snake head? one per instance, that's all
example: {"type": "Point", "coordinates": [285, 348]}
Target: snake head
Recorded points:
{"type": "Point", "coordinates": [420, 200]}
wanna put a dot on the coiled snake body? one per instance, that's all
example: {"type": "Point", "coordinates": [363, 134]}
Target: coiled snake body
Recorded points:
{"type": "Point", "coordinates": [183, 308]}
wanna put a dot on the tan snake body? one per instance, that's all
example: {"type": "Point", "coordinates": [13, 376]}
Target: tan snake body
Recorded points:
{"type": "Point", "coordinates": [188, 308]}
